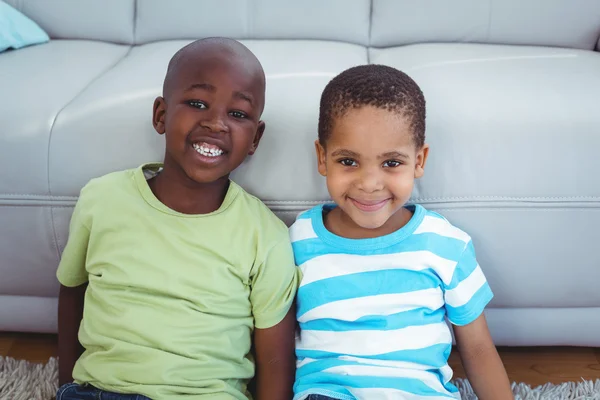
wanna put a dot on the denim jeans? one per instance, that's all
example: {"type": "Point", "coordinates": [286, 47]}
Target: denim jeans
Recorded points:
{"type": "Point", "coordinates": [73, 391]}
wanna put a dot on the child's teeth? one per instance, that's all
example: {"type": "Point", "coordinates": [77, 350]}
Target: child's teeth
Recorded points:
{"type": "Point", "coordinates": [206, 151]}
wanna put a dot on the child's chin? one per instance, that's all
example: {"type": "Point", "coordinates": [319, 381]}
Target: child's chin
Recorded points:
{"type": "Point", "coordinates": [205, 177]}
{"type": "Point", "coordinates": [370, 223]}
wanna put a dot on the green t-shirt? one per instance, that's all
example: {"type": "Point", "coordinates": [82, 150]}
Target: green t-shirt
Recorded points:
{"type": "Point", "coordinates": [173, 298]}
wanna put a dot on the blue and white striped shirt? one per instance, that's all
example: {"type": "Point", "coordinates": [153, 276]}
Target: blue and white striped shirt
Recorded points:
{"type": "Point", "coordinates": [372, 312]}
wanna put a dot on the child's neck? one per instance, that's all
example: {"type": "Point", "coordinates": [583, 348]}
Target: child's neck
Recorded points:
{"type": "Point", "coordinates": [338, 222]}
{"type": "Point", "coordinates": [178, 192]}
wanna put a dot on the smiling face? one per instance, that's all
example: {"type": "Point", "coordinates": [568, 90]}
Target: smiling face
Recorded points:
{"type": "Point", "coordinates": [370, 162]}
{"type": "Point", "coordinates": [210, 113]}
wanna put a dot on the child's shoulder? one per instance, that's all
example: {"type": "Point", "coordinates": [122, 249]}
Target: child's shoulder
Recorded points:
{"type": "Point", "coordinates": [302, 228]}
{"type": "Point", "coordinates": [260, 214]}
{"type": "Point", "coordinates": [436, 223]}
{"type": "Point", "coordinates": [99, 186]}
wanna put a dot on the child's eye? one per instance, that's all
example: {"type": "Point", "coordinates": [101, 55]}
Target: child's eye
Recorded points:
{"type": "Point", "coordinates": [392, 163]}
{"type": "Point", "coordinates": [238, 114]}
{"type": "Point", "coordinates": [197, 104]}
{"type": "Point", "coordinates": [348, 162]}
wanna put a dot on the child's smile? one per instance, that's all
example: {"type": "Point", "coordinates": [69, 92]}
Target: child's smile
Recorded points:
{"type": "Point", "coordinates": [369, 205]}
{"type": "Point", "coordinates": [209, 151]}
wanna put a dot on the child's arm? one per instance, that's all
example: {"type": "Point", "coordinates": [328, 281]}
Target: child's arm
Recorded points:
{"type": "Point", "coordinates": [275, 359]}
{"type": "Point", "coordinates": [481, 361]}
{"type": "Point", "coordinates": [70, 313]}
{"type": "Point", "coordinates": [73, 277]}
{"type": "Point", "coordinates": [274, 282]}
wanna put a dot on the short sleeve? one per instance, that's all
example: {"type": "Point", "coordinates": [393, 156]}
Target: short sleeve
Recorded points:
{"type": "Point", "coordinates": [274, 283]}
{"type": "Point", "coordinates": [71, 270]}
{"type": "Point", "coordinates": [468, 293]}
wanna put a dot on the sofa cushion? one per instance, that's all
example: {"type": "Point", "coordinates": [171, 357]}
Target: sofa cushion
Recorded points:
{"type": "Point", "coordinates": [106, 20]}
{"type": "Point", "coordinates": [28, 253]}
{"type": "Point", "coordinates": [37, 83]}
{"type": "Point", "coordinates": [341, 20]}
{"type": "Point", "coordinates": [513, 161]}
{"type": "Point", "coordinates": [532, 22]}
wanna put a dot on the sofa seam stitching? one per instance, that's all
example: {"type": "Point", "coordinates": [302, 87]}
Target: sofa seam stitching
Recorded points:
{"type": "Point", "coordinates": [370, 34]}
{"type": "Point", "coordinates": [135, 11]}
{"type": "Point", "coordinates": [489, 28]}
{"type": "Point", "coordinates": [54, 235]}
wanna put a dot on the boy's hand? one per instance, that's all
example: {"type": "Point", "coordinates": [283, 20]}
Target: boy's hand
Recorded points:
{"type": "Point", "coordinates": [70, 314]}
{"type": "Point", "coordinates": [481, 361]}
{"type": "Point", "coordinates": [276, 359]}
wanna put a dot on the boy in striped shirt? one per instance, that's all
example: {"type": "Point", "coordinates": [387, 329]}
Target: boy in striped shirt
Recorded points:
{"type": "Point", "coordinates": [381, 277]}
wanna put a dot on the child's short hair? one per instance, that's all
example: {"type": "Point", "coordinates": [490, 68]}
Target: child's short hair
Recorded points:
{"type": "Point", "coordinates": [378, 86]}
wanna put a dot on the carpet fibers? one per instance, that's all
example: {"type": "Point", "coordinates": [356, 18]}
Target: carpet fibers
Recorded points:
{"type": "Point", "coordinates": [22, 380]}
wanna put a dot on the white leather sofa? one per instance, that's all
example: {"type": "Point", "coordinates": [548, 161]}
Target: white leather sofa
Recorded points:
{"type": "Point", "coordinates": [513, 92]}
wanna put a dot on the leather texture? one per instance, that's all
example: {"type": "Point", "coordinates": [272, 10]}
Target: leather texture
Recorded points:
{"type": "Point", "coordinates": [561, 23]}
{"type": "Point", "coordinates": [513, 129]}
{"type": "Point", "coordinates": [340, 20]}
{"type": "Point", "coordinates": [106, 20]}
{"type": "Point", "coordinates": [37, 83]}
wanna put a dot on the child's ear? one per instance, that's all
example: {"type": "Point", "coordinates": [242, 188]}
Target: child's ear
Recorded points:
{"type": "Point", "coordinates": [321, 158]}
{"type": "Point", "coordinates": [158, 115]}
{"type": "Point", "coordinates": [259, 132]}
{"type": "Point", "coordinates": [421, 160]}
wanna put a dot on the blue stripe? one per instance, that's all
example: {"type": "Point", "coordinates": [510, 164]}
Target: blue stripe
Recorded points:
{"type": "Point", "coordinates": [445, 247]}
{"type": "Point", "coordinates": [470, 311]}
{"type": "Point", "coordinates": [435, 356]}
{"type": "Point", "coordinates": [465, 266]}
{"type": "Point", "coordinates": [409, 385]}
{"type": "Point", "coordinates": [323, 389]}
{"type": "Point", "coordinates": [418, 317]}
{"type": "Point", "coordinates": [363, 284]}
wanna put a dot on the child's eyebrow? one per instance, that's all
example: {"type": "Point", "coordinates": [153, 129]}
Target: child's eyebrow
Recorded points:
{"type": "Point", "coordinates": [344, 153]}
{"type": "Point", "coordinates": [394, 154]}
{"type": "Point", "coordinates": [210, 88]}
{"type": "Point", "coordinates": [243, 96]}
{"type": "Point", "coordinates": [203, 86]}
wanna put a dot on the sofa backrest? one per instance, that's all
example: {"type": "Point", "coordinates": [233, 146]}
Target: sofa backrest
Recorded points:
{"type": "Point", "coordinates": [105, 20]}
{"type": "Point", "coordinates": [562, 23]}
{"type": "Point", "coordinates": [376, 23]}
{"type": "Point", "coordinates": [338, 20]}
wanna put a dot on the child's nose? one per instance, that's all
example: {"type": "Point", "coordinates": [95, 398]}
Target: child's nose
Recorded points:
{"type": "Point", "coordinates": [215, 122]}
{"type": "Point", "coordinates": [370, 181]}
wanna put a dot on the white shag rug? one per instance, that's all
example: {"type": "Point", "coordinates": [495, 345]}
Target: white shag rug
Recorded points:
{"type": "Point", "coordinates": [22, 380]}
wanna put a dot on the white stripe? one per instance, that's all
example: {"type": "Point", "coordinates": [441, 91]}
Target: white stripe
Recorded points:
{"type": "Point", "coordinates": [461, 294]}
{"type": "Point", "coordinates": [389, 394]}
{"type": "Point", "coordinates": [302, 229]}
{"type": "Point", "coordinates": [426, 377]}
{"type": "Point", "coordinates": [304, 362]}
{"type": "Point", "coordinates": [441, 227]}
{"type": "Point", "coordinates": [383, 304]}
{"type": "Point", "coordinates": [447, 373]}
{"type": "Point", "coordinates": [387, 363]}
{"type": "Point", "coordinates": [371, 342]}
{"type": "Point", "coordinates": [333, 265]}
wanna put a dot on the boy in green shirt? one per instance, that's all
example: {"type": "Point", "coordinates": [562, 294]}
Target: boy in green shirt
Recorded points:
{"type": "Point", "coordinates": [173, 270]}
